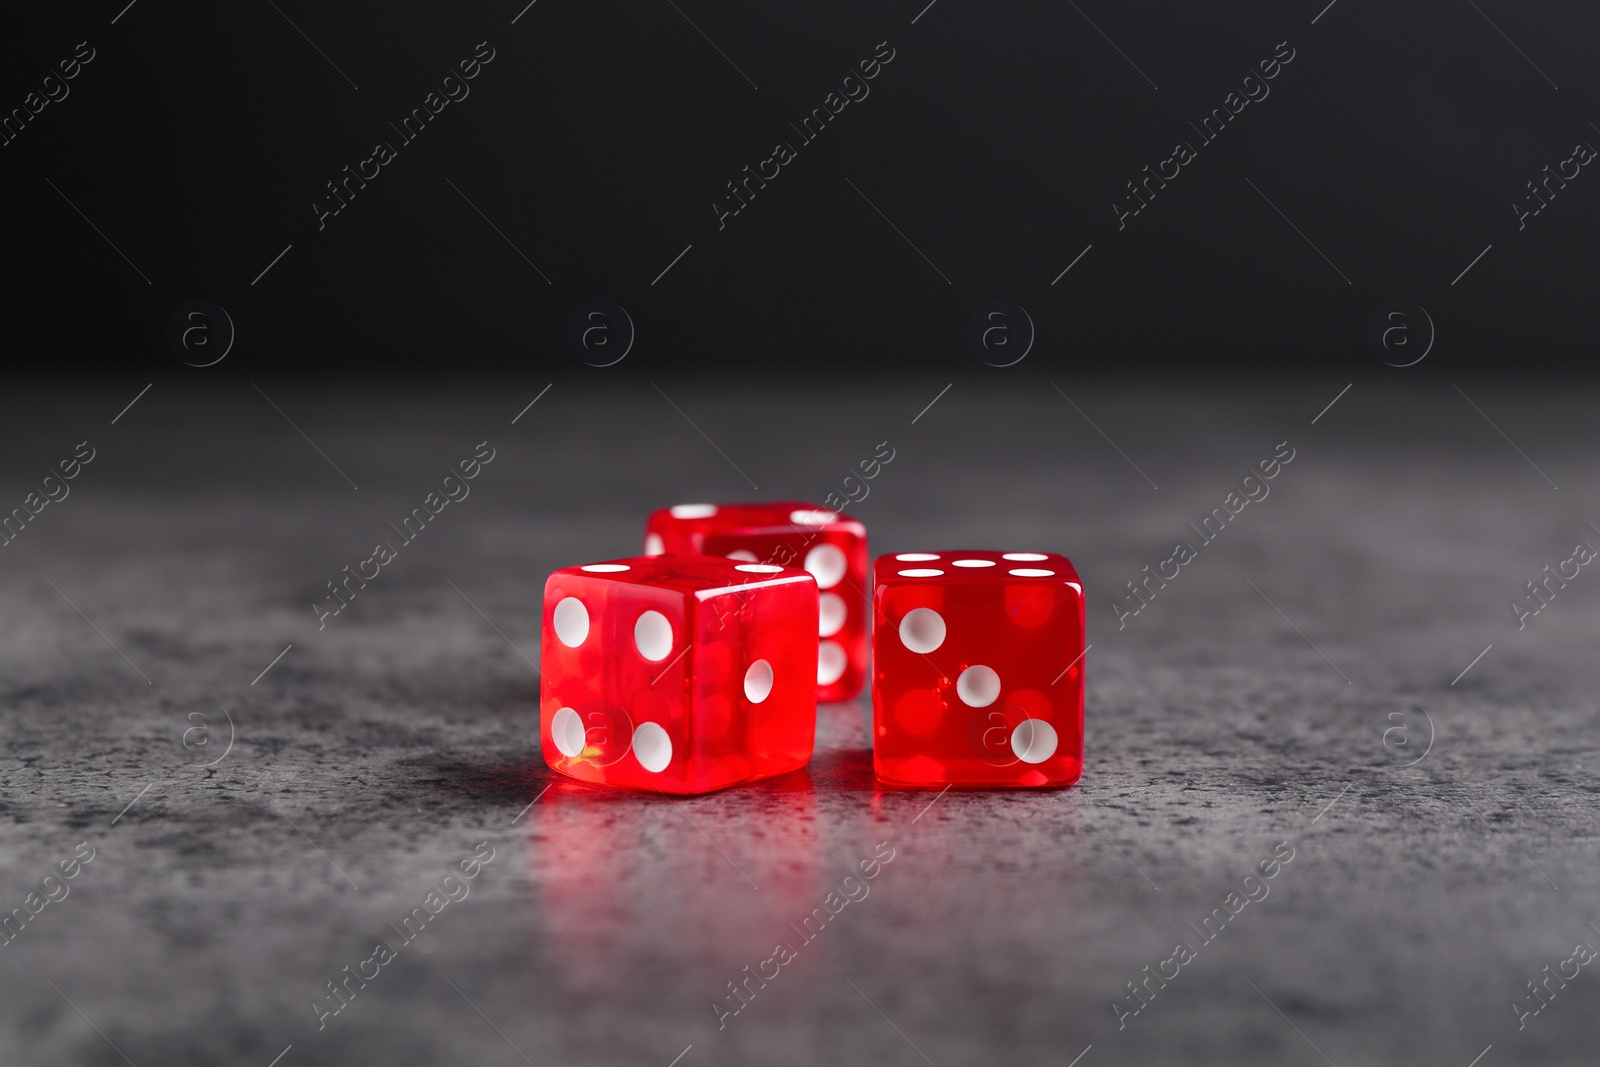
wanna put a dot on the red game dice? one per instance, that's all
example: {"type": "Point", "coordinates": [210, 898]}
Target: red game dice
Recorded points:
{"type": "Point", "coordinates": [977, 672]}
{"type": "Point", "coordinates": [790, 533]}
{"type": "Point", "coordinates": [678, 673]}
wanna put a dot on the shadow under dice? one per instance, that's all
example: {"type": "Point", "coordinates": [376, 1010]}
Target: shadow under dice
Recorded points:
{"type": "Point", "coordinates": [678, 673]}
{"type": "Point", "coordinates": [828, 545]}
{"type": "Point", "coordinates": [977, 669]}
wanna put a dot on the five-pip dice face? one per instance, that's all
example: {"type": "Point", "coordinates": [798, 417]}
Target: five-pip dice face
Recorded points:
{"type": "Point", "coordinates": [678, 673]}
{"type": "Point", "coordinates": [830, 546]}
{"type": "Point", "coordinates": [977, 669]}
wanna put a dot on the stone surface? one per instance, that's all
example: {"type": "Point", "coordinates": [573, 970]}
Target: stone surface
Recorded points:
{"type": "Point", "coordinates": [377, 752]}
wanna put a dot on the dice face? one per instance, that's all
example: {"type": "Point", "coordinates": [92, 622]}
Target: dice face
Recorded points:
{"type": "Point", "coordinates": [830, 546]}
{"type": "Point", "coordinates": [678, 673]}
{"type": "Point", "coordinates": [977, 669]}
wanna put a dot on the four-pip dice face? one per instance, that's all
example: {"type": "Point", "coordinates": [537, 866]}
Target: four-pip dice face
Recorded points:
{"type": "Point", "coordinates": [678, 673]}
{"type": "Point", "coordinates": [832, 547]}
{"type": "Point", "coordinates": [977, 672]}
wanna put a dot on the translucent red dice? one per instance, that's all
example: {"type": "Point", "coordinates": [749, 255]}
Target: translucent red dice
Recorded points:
{"type": "Point", "coordinates": [977, 669]}
{"type": "Point", "coordinates": [832, 547]}
{"type": "Point", "coordinates": [678, 673]}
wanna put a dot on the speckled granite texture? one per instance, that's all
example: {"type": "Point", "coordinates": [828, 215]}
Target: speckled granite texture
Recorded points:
{"type": "Point", "coordinates": [1432, 876]}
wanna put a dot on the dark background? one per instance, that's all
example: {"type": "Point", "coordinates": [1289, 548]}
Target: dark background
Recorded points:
{"type": "Point", "coordinates": [997, 140]}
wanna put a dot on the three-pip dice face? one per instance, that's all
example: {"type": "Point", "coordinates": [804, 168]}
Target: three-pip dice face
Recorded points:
{"type": "Point", "coordinates": [977, 669]}
{"type": "Point", "coordinates": [678, 673]}
{"type": "Point", "coordinates": [830, 546]}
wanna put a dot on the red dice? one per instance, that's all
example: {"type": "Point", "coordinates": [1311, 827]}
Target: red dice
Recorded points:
{"type": "Point", "coordinates": [678, 673]}
{"type": "Point", "coordinates": [977, 669]}
{"type": "Point", "coordinates": [830, 546]}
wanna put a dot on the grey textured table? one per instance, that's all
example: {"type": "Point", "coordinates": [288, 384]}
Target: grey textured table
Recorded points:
{"type": "Point", "coordinates": [1244, 707]}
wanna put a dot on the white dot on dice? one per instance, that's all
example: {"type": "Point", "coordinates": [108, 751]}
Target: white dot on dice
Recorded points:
{"type": "Point", "coordinates": [693, 511]}
{"type": "Point", "coordinates": [827, 565]}
{"type": "Point", "coordinates": [653, 545]}
{"type": "Point", "coordinates": [978, 686]}
{"type": "Point", "coordinates": [652, 747]}
{"type": "Point", "coordinates": [653, 634]}
{"type": "Point", "coordinates": [830, 614]}
{"type": "Point", "coordinates": [572, 621]}
{"type": "Point", "coordinates": [922, 630]}
{"type": "Point", "coordinates": [566, 729]}
{"type": "Point", "coordinates": [758, 681]}
{"type": "Point", "coordinates": [605, 568]}
{"type": "Point", "coordinates": [831, 661]}
{"type": "Point", "coordinates": [1034, 741]}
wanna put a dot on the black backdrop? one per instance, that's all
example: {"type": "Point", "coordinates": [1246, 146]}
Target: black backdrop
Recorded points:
{"type": "Point", "coordinates": [987, 156]}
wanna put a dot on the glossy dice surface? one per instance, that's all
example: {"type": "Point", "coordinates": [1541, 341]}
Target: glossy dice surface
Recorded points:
{"type": "Point", "coordinates": [832, 547]}
{"type": "Point", "coordinates": [977, 669]}
{"type": "Point", "coordinates": [678, 673]}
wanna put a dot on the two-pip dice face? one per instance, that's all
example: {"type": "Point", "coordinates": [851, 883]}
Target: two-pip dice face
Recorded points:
{"type": "Point", "coordinates": [977, 669]}
{"type": "Point", "coordinates": [832, 547]}
{"type": "Point", "coordinates": [678, 673]}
